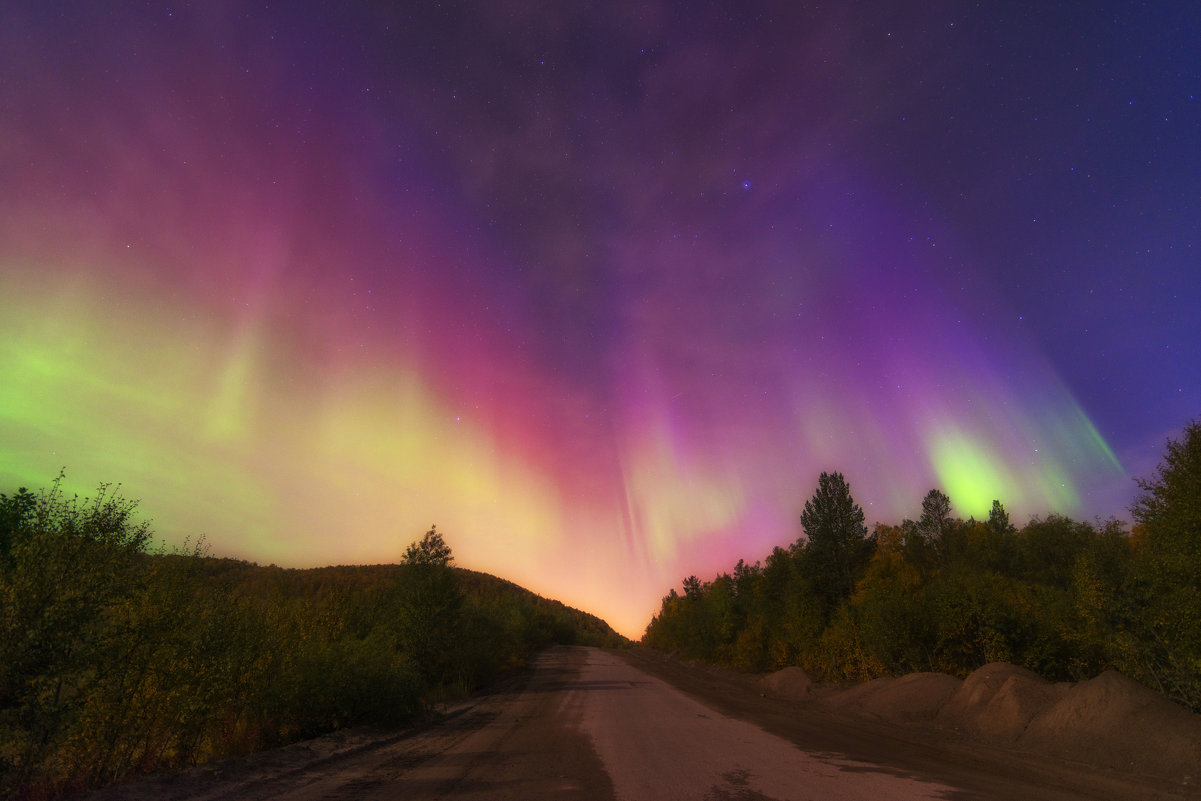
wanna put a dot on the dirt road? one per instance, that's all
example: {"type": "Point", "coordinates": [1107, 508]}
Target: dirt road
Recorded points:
{"type": "Point", "coordinates": [590, 724]}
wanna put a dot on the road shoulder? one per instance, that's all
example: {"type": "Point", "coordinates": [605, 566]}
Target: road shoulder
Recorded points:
{"type": "Point", "coordinates": [983, 770]}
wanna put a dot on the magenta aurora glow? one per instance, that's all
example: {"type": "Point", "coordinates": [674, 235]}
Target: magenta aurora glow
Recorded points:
{"type": "Point", "coordinates": [598, 289]}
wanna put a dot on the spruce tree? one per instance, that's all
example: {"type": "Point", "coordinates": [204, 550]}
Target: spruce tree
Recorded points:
{"type": "Point", "coordinates": [836, 550]}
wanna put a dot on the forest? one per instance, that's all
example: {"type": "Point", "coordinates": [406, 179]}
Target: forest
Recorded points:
{"type": "Point", "coordinates": [1064, 598]}
{"type": "Point", "coordinates": [118, 658]}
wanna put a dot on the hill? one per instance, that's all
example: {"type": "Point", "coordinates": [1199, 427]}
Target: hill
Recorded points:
{"type": "Point", "coordinates": [115, 661]}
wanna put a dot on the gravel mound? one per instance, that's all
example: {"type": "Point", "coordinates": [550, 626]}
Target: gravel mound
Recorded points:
{"type": "Point", "coordinates": [915, 698]}
{"type": "Point", "coordinates": [1114, 722]}
{"type": "Point", "coordinates": [998, 701]}
{"type": "Point", "coordinates": [792, 683]}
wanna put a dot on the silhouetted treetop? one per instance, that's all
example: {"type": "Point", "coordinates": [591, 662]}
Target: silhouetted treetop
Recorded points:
{"type": "Point", "coordinates": [836, 550]}
{"type": "Point", "coordinates": [936, 515]}
{"type": "Point", "coordinates": [998, 519]}
{"type": "Point", "coordinates": [831, 515]}
{"type": "Point", "coordinates": [430, 550]}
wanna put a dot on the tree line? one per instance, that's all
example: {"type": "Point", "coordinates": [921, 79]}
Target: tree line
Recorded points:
{"type": "Point", "coordinates": [116, 660]}
{"type": "Point", "coordinates": [1065, 598]}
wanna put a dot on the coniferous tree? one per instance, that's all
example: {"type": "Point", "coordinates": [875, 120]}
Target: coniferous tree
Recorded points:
{"type": "Point", "coordinates": [998, 519]}
{"type": "Point", "coordinates": [936, 516]}
{"type": "Point", "coordinates": [836, 549]}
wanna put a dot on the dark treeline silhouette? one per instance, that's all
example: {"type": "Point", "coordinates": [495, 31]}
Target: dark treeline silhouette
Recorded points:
{"type": "Point", "coordinates": [115, 661]}
{"type": "Point", "coordinates": [1063, 598]}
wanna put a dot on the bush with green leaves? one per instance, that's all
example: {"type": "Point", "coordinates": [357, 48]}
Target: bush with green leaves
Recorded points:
{"type": "Point", "coordinates": [1166, 575]}
{"type": "Point", "coordinates": [115, 661]}
{"type": "Point", "coordinates": [67, 567]}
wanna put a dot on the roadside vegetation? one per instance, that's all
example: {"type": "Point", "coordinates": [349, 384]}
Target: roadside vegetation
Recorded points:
{"type": "Point", "coordinates": [116, 661]}
{"type": "Point", "coordinates": [1064, 598]}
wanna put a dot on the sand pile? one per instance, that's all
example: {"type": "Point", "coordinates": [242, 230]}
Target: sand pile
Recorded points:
{"type": "Point", "coordinates": [1110, 721]}
{"type": "Point", "coordinates": [1114, 722]}
{"type": "Point", "coordinates": [915, 698]}
{"type": "Point", "coordinates": [791, 683]}
{"type": "Point", "coordinates": [997, 701]}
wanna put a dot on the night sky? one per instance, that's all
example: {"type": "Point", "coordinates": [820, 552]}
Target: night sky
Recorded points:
{"type": "Point", "coordinates": [598, 288]}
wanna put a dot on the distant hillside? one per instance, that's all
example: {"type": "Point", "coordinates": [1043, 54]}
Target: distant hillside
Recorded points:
{"type": "Point", "coordinates": [555, 621]}
{"type": "Point", "coordinates": [116, 662]}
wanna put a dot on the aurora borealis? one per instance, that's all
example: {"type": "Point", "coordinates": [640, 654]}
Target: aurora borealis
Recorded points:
{"type": "Point", "coordinates": [599, 289]}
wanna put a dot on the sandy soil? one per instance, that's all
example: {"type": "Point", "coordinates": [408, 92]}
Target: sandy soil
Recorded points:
{"type": "Point", "coordinates": [634, 724]}
{"type": "Point", "coordinates": [1002, 733]}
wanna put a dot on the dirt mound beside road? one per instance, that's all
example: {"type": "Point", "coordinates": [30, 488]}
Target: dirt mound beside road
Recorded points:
{"type": "Point", "coordinates": [1111, 721]}
{"type": "Point", "coordinates": [863, 721]}
{"type": "Point", "coordinates": [792, 683]}
{"type": "Point", "coordinates": [916, 698]}
{"type": "Point", "coordinates": [998, 701]}
{"type": "Point", "coordinates": [1114, 722]}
